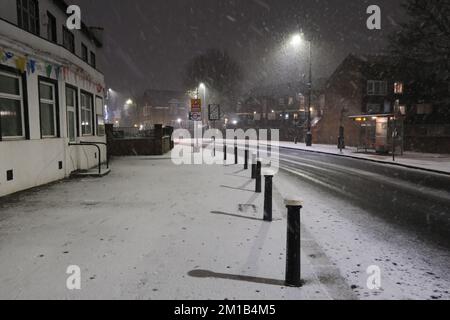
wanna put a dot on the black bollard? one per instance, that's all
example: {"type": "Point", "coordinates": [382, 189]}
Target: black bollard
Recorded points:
{"type": "Point", "coordinates": [225, 153]}
{"type": "Point", "coordinates": [293, 262]}
{"type": "Point", "coordinates": [253, 171]}
{"type": "Point", "coordinates": [253, 166]}
{"type": "Point", "coordinates": [258, 177]}
{"type": "Point", "coordinates": [268, 198]}
{"type": "Point", "coordinates": [236, 155]}
{"type": "Point", "coordinates": [246, 160]}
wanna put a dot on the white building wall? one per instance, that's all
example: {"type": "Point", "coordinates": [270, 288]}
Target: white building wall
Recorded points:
{"type": "Point", "coordinates": [36, 161]}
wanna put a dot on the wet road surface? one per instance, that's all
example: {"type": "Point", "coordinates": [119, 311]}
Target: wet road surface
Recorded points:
{"type": "Point", "coordinates": [415, 200]}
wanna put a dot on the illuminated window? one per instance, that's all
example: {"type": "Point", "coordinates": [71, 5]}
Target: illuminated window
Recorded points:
{"type": "Point", "coordinates": [86, 114]}
{"type": "Point", "coordinates": [398, 88]}
{"type": "Point", "coordinates": [100, 117]}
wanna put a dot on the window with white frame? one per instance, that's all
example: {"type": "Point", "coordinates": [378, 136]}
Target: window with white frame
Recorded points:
{"type": "Point", "coordinates": [12, 121]}
{"type": "Point", "coordinates": [376, 88]}
{"type": "Point", "coordinates": [48, 112]}
{"type": "Point", "coordinates": [86, 114]}
{"type": "Point", "coordinates": [99, 108]}
{"type": "Point", "coordinates": [71, 104]}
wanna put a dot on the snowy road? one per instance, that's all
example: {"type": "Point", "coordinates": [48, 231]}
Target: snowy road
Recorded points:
{"type": "Point", "coordinates": [365, 214]}
{"type": "Point", "coordinates": [411, 199]}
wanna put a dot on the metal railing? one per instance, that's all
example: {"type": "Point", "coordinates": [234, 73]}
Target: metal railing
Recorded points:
{"type": "Point", "coordinates": [99, 143]}
{"type": "Point", "coordinates": [96, 145]}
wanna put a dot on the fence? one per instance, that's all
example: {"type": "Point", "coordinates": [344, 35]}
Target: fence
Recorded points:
{"type": "Point", "coordinates": [133, 133]}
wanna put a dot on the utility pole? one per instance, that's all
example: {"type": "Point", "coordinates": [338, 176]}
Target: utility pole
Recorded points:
{"type": "Point", "coordinates": [309, 126]}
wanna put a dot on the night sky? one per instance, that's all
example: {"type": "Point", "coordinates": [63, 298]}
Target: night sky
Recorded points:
{"type": "Point", "coordinates": [148, 42]}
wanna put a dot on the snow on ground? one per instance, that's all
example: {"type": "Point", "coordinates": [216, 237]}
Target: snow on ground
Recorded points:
{"type": "Point", "coordinates": [436, 162]}
{"type": "Point", "coordinates": [354, 239]}
{"type": "Point", "coordinates": [427, 161]}
{"type": "Point", "coordinates": [153, 230]}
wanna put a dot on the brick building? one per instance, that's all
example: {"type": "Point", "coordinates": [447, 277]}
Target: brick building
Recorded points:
{"type": "Point", "coordinates": [166, 107]}
{"type": "Point", "coordinates": [369, 88]}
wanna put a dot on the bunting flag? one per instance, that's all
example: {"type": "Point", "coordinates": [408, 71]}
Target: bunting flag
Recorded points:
{"type": "Point", "coordinates": [57, 72]}
{"type": "Point", "coordinates": [31, 66]}
{"type": "Point", "coordinates": [65, 73]}
{"type": "Point", "coordinates": [99, 88]}
{"type": "Point", "coordinates": [21, 64]}
{"type": "Point", "coordinates": [48, 70]}
{"type": "Point", "coordinates": [9, 55]}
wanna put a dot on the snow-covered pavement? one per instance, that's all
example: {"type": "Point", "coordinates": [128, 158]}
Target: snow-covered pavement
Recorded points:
{"type": "Point", "coordinates": [153, 230]}
{"type": "Point", "coordinates": [427, 161]}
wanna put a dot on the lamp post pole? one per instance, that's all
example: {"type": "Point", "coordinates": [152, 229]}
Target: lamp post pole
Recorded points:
{"type": "Point", "coordinates": [309, 126]}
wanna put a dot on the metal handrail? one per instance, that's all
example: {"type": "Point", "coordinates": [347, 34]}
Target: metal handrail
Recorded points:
{"type": "Point", "coordinates": [103, 144]}
{"type": "Point", "coordinates": [99, 153]}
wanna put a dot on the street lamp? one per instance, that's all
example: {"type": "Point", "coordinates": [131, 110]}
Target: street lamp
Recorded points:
{"type": "Point", "coordinates": [202, 87]}
{"type": "Point", "coordinates": [296, 41]}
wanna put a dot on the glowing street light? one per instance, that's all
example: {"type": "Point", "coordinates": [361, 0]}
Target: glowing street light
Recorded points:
{"type": "Point", "coordinates": [202, 87]}
{"type": "Point", "coordinates": [129, 102]}
{"type": "Point", "coordinates": [296, 41]}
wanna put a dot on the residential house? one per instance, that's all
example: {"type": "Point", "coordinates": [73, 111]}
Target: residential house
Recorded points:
{"type": "Point", "coordinates": [370, 100]}
{"type": "Point", "coordinates": [283, 107]}
{"type": "Point", "coordinates": [166, 107]}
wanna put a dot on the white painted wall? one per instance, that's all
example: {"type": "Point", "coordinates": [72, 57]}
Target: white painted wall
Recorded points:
{"type": "Point", "coordinates": [8, 12]}
{"type": "Point", "coordinates": [36, 161]}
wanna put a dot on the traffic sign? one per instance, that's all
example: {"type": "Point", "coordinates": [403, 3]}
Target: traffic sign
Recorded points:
{"type": "Point", "coordinates": [195, 116]}
{"type": "Point", "coordinates": [214, 112]}
{"type": "Point", "coordinates": [196, 105]}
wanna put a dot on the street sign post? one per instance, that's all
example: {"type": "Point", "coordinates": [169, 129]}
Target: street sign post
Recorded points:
{"type": "Point", "coordinates": [196, 105]}
{"type": "Point", "coordinates": [195, 116]}
{"type": "Point", "coordinates": [214, 112]}
{"type": "Point", "coordinates": [196, 110]}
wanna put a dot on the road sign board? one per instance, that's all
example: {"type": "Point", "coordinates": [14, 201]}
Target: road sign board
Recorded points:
{"type": "Point", "coordinates": [214, 112]}
{"type": "Point", "coordinates": [196, 105]}
{"type": "Point", "coordinates": [195, 116]}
